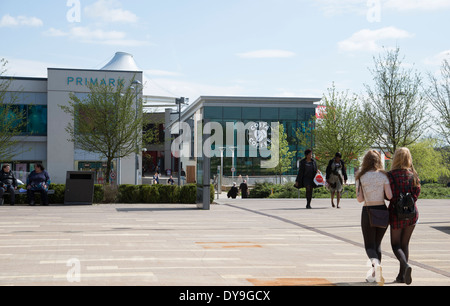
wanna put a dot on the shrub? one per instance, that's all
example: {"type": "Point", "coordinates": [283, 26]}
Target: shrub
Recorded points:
{"type": "Point", "coordinates": [188, 194]}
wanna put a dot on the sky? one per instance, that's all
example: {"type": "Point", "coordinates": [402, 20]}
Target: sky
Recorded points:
{"type": "Point", "coordinates": [192, 48]}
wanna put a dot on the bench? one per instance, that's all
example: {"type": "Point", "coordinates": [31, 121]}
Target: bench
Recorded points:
{"type": "Point", "coordinates": [17, 192]}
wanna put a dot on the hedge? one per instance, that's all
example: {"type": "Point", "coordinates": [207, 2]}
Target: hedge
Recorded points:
{"type": "Point", "coordinates": [270, 190]}
{"type": "Point", "coordinates": [163, 194]}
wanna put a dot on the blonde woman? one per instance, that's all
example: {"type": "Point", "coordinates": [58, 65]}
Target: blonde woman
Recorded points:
{"type": "Point", "coordinates": [403, 179]}
{"type": "Point", "coordinates": [372, 185]}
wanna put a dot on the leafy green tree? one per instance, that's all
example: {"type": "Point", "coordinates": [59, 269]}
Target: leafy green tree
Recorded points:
{"type": "Point", "coordinates": [341, 129]}
{"type": "Point", "coordinates": [12, 121]}
{"type": "Point", "coordinates": [285, 155]}
{"type": "Point", "coordinates": [108, 122]}
{"type": "Point", "coordinates": [429, 163]}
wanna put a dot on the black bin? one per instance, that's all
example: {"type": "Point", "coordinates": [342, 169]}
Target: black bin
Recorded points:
{"type": "Point", "coordinates": [79, 188]}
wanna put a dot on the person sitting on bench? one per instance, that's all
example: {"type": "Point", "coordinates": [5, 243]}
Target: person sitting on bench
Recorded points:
{"type": "Point", "coordinates": [8, 183]}
{"type": "Point", "coordinates": [38, 181]}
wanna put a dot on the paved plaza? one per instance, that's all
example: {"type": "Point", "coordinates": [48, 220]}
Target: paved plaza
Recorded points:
{"type": "Point", "coordinates": [236, 243]}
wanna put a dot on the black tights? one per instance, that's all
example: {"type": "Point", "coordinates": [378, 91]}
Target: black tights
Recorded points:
{"type": "Point", "coordinates": [309, 193]}
{"type": "Point", "coordinates": [372, 235]}
{"type": "Point", "coordinates": [400, 245]}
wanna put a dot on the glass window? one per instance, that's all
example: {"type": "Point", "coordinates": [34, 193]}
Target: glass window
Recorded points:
{"type": "Point", "coordinates": [37, 120]}
{"type": "Point", "coordinates": [253, 113]}
{"type": "Point", "coordinates": [232, 113]}
{"type": "Point", "coordinates": [213, 112]}
{"type": "Point", "coordinates": [269, 113]}
{"type": "Point", "coordinates": [288, 113]}
{"type": "Point", "coordinates": [301, 114]}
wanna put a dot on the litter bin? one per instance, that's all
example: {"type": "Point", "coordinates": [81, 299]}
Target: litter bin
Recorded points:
{"type": "Point", "coordinates": [79, 188]}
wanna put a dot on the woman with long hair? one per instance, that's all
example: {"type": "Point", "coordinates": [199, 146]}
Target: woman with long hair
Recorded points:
{"type": "Point", "coordinates": [372, 185]}
{"type": "Point", "coordinates": [403, 179]}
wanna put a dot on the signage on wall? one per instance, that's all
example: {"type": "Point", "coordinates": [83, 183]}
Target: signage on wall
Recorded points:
{"type": "Point", "coordinates": [80, 81]}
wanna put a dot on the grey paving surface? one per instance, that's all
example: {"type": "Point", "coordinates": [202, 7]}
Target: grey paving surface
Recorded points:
{"type": "Point", "coordinates": [237, 242]}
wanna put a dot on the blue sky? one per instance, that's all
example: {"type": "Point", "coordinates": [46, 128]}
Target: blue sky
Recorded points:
{"type": "Point", "coordinates": [235, 47]}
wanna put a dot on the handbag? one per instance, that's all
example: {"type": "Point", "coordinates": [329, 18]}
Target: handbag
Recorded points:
{"type": "Point", "coordinates": [405, 207]}
{"type": "Point", "coordinates": [377, 217]}
{"type": "Point", "coordinates": [319, 180]}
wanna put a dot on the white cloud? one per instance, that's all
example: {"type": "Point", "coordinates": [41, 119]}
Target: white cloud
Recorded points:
{"type": "Point", "coordinates": [368, 40]}
{"type": "Point", "coordinates": [267, 54]}
{"type": "Point", "coordinates": [110, 11]}
{"type": "Point", "coordinates": [361, 7]}
{"type": "Point", "coordinates": [188, 89]}
{"type": "Point", "coordinates": [438, 59]}
{"type": "Point", "coordinates": [9, 21]}
{"type": "Point", "coordinates": [98, 36]}
{"type": "Point", "coordinates": [162, 73]}
{"type": "Point", "coordinates": [18, 67]}
{"type": "Point", "coordinates": [429, 5]}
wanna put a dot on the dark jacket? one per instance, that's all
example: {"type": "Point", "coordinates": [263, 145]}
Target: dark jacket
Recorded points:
{"type": "Point", "coordinates": [301, 172]}
{"type": "Point", "coordinates": [344, 169]}
{"type": "Point", "coordinates": [233, 192]}
{"type": "Point", "coordinates": [8, 178]}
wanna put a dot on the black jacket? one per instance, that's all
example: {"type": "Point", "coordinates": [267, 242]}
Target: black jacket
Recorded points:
{"type": "Point", "coordinates": [8, 178]}
{"type": "Point", "coordinates": [301, 172]}
{"type": "Point", "coordinates": [344, 170]}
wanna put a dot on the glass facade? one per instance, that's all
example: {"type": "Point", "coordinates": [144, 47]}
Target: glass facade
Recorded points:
{"type": "Point", "coordinates": [34, 109]}
{"type": "Point", "coordinates": [293, 120]}
{"type": "Point", "coordinates": [35, 117]}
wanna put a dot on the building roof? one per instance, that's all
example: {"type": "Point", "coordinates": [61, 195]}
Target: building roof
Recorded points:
{"type": "Point", "coordinates": [122, 61]}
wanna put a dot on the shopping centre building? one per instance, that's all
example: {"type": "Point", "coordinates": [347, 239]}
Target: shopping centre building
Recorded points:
{"type": "Point", "coordinates": [45, 138]}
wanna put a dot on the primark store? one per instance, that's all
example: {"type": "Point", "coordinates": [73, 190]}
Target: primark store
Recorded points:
{"type": "Point", "coordinates": [45, 140]}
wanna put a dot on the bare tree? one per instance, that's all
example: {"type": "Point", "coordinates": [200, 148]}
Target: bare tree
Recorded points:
{"type": "Point", "coordinates": [395, 106]}
{"type": "Point", "coordinates": [12, 120]}
{"type": "Point", "coordinates": [439, 96]}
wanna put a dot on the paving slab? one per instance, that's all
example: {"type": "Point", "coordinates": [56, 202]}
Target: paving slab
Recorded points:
{"type": "Point", "coordinates": [250, 242]}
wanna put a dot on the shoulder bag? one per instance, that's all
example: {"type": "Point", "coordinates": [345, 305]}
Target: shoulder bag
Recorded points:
{"type": "Point", "coordinates": [377, 217]}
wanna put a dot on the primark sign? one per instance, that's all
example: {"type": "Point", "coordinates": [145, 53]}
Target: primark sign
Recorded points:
{"type": "Point", "coordinates": [85, 81]}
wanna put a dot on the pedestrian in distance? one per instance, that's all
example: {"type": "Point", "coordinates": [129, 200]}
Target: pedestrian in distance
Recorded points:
{"type": "Point", "coordinates": [404, 180]}
{"type": "Point", "coordinates": [336, 177]}
{"type": "Point", "coordinates": [373, 186]}
{"type": "Point", "coordinates": [306, 174]}
{"type": "Point", "coordinates": [8, 183]}
{"type": "Point", "coordinates": [233, 192]}
{"type": "Point", "coordinates": [244, 189]}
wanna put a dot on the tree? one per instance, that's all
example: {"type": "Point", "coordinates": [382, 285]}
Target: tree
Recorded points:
{"type": "Point", "coordinates": [429, 163]}
{"type": "Point", "coordinates": [439, 96]}
{"type": "Point", "coordinates": [395, 107]}
{"type": "Point", "coordinates": [285, 156]}
{"type": "Point", "coordinates": [12, 120]}
{"type": "Point", "coordinates": [107, 122]}
{"type": "Point", "coordinates": [341, 129]}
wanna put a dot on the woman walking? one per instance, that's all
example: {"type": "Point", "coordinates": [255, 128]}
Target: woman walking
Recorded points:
{"type": "Point", "coordinates": [403, 179]}
{"type": "Point", "coordinates": [306, 174]}
{"type": "Point", "coordinates": [336, 176]}
{"type": "Point", "coordinates": [372, 185]}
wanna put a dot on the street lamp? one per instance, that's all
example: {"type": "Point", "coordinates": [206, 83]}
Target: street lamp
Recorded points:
{"type": "Point", "coordinates": [180, 101]}
{"type": "Point", "coordinates": [136, 83]}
